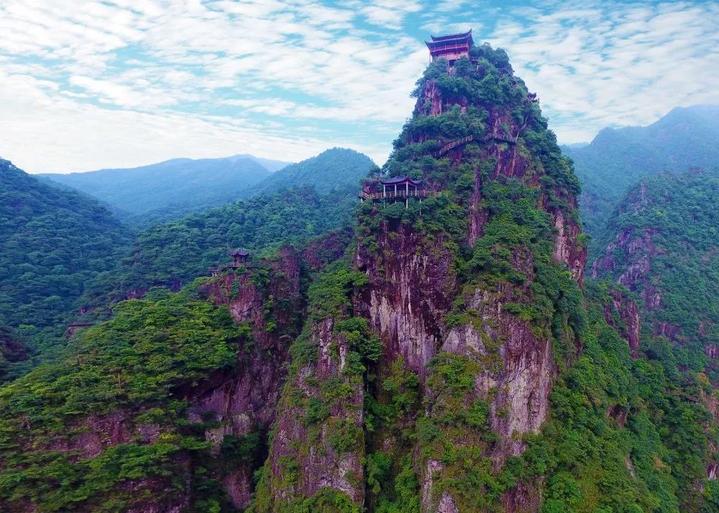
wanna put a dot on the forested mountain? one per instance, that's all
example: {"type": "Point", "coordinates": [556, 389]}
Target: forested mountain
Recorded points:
{"type": "Point", "coordinates": [337, 168]}
{"type": "Point", "coordinates": [161, 192]}
{"type": "Point", "coordinates": [174, 253]}
{"type": "Point", "coordinates": [172, 188]}
{"type": "Point", "coordinates": [661, 243]}
{"type": "Point", "coordinates": [52, 242]}
{"type": "Point", "coordinates": [12, 351]}
{"type": "Point", "coordinates": [453, 361]}
{"type": "Point", "coordinates": [618, 158]}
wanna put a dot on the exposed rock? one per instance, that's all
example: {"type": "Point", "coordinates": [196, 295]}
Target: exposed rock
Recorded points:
{"type": "Point", "coordinates": [307, 447]}
{"type": "Point", "coordinates": [566, 245]}
{"type": "Point", "coordinates": [524, 498]}
{"type": "Point", "coordinates": [623, 315]}
{"type": "Point", "coordinates": [245, 399]}
{"type": "Point", "coordinates": [618, 414]}
{"type": "Point", "coordinates": [638, 250]}
{"type": "Point", "coordinates": [411, 288]}
{"type": "Point", "coordinates": [712, 470]}
{"type": "Point", "coordinates": [519, 381]}
{"type": "Point", "coordinates": [666, 329]}
{"type": "Point", "coordinates": [431, 468]}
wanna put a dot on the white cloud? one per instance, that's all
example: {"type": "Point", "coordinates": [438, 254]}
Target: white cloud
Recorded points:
{"type": "Point", "coordinates": [616, 64]}
{"type": "Point", "coordinates": [121, 82]}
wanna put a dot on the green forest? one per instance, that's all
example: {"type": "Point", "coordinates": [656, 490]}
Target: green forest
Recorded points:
{"type": "Point", "coordinates": [469, 352]}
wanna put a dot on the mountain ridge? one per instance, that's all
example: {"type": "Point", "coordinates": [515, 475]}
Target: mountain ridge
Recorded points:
{"type": "Point", "coordinates": [617, 158]}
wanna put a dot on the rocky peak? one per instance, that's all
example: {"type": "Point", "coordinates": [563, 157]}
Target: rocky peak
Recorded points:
{"type": "Point", "coordinates": [448, 287]}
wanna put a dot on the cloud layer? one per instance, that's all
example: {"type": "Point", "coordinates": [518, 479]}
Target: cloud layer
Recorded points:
{"type": "Point", "coordinates": [124, 82]}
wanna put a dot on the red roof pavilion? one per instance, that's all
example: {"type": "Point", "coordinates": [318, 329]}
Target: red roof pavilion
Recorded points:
{"type": "Point", "coordinates": [452, 47]}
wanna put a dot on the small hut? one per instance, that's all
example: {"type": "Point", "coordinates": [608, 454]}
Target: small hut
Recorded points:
{"type": "Point", "coordinates": [239, 257]}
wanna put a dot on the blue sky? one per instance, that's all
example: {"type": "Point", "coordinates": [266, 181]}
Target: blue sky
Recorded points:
{"type": "Point", "coordinates": [115, 83]}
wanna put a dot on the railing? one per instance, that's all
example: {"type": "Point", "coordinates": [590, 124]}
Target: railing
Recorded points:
{"type": "Point", "coordinates": [452, 145]}
{"type": "Point", "coordinates": [401, 193]}
{"type": "Point", "coordinates": [468, 139]}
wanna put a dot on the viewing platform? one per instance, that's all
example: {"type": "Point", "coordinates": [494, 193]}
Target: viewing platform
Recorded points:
{"type": "Point", "coordinates": [397, 188]}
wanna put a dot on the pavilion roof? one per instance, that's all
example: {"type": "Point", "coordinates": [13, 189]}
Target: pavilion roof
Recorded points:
{"type": "Point", "coordinates": [452, 39]}
{"type": "Point", "coordinates": [396, 180]}
{"type": "Point", "coordinates": [240, 252]}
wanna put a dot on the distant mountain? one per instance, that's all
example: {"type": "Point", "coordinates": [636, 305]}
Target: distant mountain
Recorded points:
{"type": "Point", "coordinates": [269, 164]}
{"type": "Point", "coordinates": [52, 241]}
{"type": "Point", "coordinates": [177, 186]}
{"type": "Point", "coordinates": [172, 254]}
{"type": "Point", "coordinates": [332, 169]}
{"type": "Point", "coordinates": [161, 192]}
{"type": "Point", "coordinates": [618, 158]}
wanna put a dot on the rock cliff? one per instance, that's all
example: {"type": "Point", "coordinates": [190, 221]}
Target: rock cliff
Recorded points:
{"type": "Point", "coordinates": [467, 292]}
{"type": "Point", "coordinates": [445, 357]}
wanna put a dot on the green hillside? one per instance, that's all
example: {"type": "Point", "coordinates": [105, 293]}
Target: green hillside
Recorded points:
{"type": "Point", "coordinates": [168, 189]}
{"type": "Point", "coordinates": [52, 242]}
{"type": "Point", "coordinates": [336, 168]}
{"type": "Point", "coordinates": [661, 243]}
{"type": "Point", "coordinates": [174, 253]}
{"type": "Point", "coordinates": [618, 158]}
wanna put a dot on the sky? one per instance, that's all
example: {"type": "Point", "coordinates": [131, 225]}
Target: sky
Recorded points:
{"type": "Point", "coordinates": [119, 83]}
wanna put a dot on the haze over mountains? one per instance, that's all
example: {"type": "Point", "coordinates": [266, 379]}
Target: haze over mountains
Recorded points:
{"type": "Point", "coordinates": [618, 158]}
{"type": "Point", "coordinates": [170, 189]}
{"type": "Point", "coordinates": [442, 353]}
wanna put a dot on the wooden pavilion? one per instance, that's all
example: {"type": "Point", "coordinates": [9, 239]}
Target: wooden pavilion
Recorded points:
{"type": "Point", "coordinates": [239, 257]}
{"type": "Point", "coordinates": [393, 189]}
{"type": "Point", "coordinates": [451, 47]}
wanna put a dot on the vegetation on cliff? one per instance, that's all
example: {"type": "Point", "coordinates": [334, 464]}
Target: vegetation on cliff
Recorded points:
{"type": "Point", "coordinates": [172, 254]}
{"type": "Point", "coordinates": [617, 159]}
{"type": "Point", "coordinates": [661, 244]}
{"type": "Point", "coordinates": [52, 242]}
{"type": "Point", "coordinates": [120, 383]}
{"type": "Point", "coordinates": [453, 361]}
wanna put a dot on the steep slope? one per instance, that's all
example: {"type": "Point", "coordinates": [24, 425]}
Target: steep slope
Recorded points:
{"type": "Point", "coordinates": [181, 390]}
{"type": "Point", "coordinates": [169, 188]}
{"type": "Point", "coordinates": [337, 168]}
{"type": "Point", "coordinates": [470, 297]}
{"type": "Point", "coordinates": [618, 158]}
{"type": "Point", "coordinates": [12, 351]}
{"type": "Point", "coordinates": [661, 244]}
{"type": "Point", "coordinates": [450, 362]}
{"type": "Point", "coordinates": [173, 254]}
{"type": "Point", "coordinates": [52, 242]}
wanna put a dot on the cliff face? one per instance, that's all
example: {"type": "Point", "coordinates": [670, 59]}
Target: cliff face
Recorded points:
{"type": "Point", "coordinates": [467, 293]}
{"type": "Point", "coordinates": [659, 244]}
{"type": "Point", "coordinates": [623, 314]}
{"type": "Point", "coordinates": [412, 282]}
{"type": "Point", "coordinates": [449, 361]}
{"type": "Point", "coordinates": [210, 428]}
{"type": "Point", "coordinates": [268, 301]}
